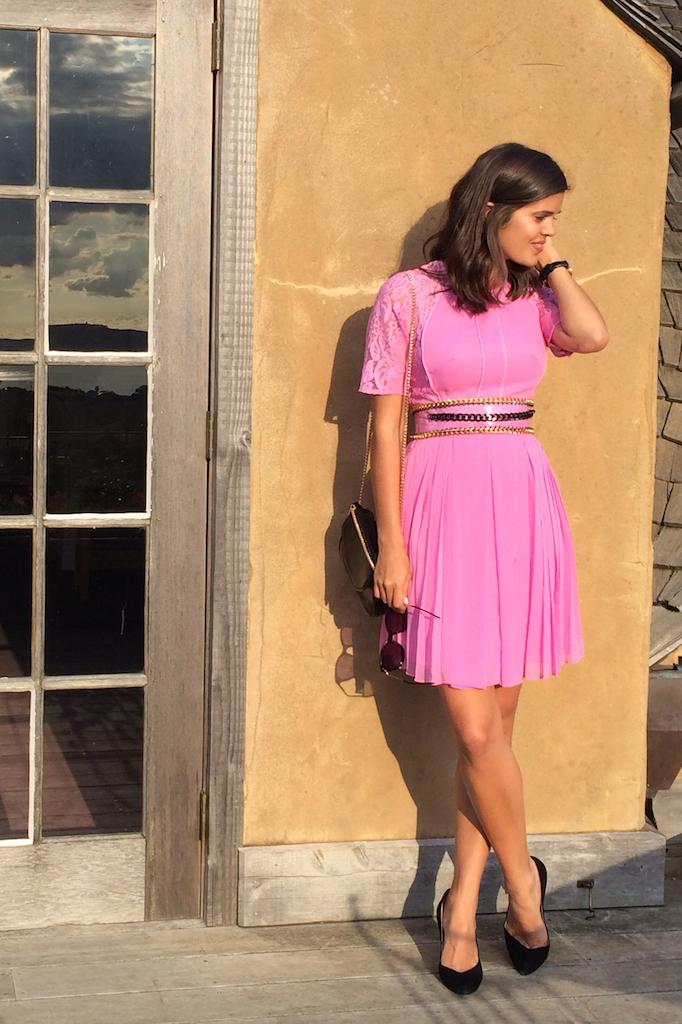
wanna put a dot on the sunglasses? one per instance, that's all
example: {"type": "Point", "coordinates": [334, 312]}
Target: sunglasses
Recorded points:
{"type": "Point", "coordinates": [392, 654]}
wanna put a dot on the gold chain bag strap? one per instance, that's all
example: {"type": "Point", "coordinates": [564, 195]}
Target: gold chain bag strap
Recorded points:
{"type": "Point", "coordinates": [358, 544]}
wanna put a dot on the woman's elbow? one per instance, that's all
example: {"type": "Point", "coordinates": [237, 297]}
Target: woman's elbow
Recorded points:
{"type": "Point", "coordinates": [595, 341]}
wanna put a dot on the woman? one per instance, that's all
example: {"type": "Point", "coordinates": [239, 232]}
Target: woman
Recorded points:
{"type": "Point", "coordinates": [480, 564]}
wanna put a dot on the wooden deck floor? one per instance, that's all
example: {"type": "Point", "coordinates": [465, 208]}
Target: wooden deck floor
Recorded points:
{"type": "Point", "coordinates": [623, 967]}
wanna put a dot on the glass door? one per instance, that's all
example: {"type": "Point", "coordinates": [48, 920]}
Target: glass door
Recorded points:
{"type": "Point", "coordinates": [95, 352]}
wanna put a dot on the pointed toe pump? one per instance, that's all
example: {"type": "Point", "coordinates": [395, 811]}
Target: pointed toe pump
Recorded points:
{"type": "Point", "coordinates": [526, 960]}
{"type": "Point", "coordinates": [462, 983]}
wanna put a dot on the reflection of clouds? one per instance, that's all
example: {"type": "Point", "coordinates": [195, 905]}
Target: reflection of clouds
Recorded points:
{"type": "Point", "coordinates": [99, 255]}
{"type": "Point", "coordinates": [66, 256]}
{"type": "Point", "coordinates": [17, 106]}
{"type": "Point", "coordinates": [106, 75]}
{"type": "Point", "coordinates": [100, 111]}
{"type": "Point", "coordinates": [117, 273]}
{"type": "Point", "coordinates": [17, 71]}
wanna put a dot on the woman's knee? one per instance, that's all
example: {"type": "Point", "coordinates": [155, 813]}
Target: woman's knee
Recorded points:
{"type": "Point", "coordinates": [477, 740]}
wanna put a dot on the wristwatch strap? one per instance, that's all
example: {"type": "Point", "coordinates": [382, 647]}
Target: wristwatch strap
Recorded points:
{"type": "Point", "coordinates": [546, 271]}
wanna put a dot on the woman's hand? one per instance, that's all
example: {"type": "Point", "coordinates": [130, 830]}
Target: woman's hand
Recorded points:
{"type": "Point", "coordinates": [582, 327]}
{"type": "Point", "coordinates": [392, 576]}
{"type": "Point", "coordinates": [548, 255]}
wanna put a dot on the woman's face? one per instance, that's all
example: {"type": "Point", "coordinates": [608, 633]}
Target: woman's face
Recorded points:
{"type": "Point", "coordinates": [526, 233]}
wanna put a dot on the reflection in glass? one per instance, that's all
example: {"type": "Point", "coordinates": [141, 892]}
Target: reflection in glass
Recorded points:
{"type": "Point", "coordinates": [92, 777]}
{"type": "Point", "coordinates": [94, 614]}
{"type": "Point", "coordinates": [17, 274]}
{"type": "Point", "coordinates": [15, 720]}
{"type": "Point", "coordinates": [15, 603]}
{"type": "Point", "coordinates": [100, 111]}
{"type": "Point", "coordinates": [17, 107]}
{"type": "Point", "coordinates": [96, 438]}
{"type": "Point", "coordinates": [16, 440]}
{"type": "Point", "coordinates": [99, 280]}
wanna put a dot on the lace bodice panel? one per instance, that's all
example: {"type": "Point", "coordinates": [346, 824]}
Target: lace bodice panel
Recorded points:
{"type": "Point", "coordinates": [389, 328]}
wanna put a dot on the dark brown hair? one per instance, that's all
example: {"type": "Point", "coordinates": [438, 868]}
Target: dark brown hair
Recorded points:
{"type": "Point", "coordinates": [510, 176]}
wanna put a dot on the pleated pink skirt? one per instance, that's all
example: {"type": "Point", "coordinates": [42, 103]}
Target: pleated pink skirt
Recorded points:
{"type": "Point", "coordinates": [494, 595]}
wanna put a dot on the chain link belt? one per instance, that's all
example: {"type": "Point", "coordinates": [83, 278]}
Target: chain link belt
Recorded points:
{"type": "Point", "coordinates": [480, 412]}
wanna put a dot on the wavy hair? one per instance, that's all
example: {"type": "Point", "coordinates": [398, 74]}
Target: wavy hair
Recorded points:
{"type": "Point", "coordinates": [510, 176]}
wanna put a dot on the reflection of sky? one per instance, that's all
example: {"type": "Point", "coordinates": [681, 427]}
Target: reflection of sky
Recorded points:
{"type": "Point", "coordinates": [16, 377]}
{"type": "Point", "coordinates": [99, 265]}
{"type": "Point", "coordinates": [17, 107]}
{"type": "Point", "coordinates": [122, 380]}
{"type": "Point", "coordinates": [100, 111]}
{"type": "Point", "coordinates": [108, 75]}
{"type": "Point", "coordinates": [17, 258]}
{"type": "Point", "coordinates": [17, 71]}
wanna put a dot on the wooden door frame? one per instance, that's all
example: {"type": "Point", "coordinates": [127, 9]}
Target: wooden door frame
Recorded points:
{"type": "Point", "coordinates": [177, 561]}
{"type": "Point", "coordinates": [229, 495]}
{"type": "Point", "coordinates": [110, 869]}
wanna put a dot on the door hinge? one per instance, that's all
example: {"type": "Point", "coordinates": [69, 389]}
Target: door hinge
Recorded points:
{"type": "Point", "coordinates": [217, 45]}
{"type": "Point", "coordinates": [210, 433]}
{"type": "Point", "coordinates": [203, 816]}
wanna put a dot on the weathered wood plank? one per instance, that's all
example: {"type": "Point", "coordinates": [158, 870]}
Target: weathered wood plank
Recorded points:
{"type": "Point", "coordinates": [177, 560]}
{"type": "Point", "coordinates": [6, 985]}
{"type": "Point", "coordinates": [129, 17]}
{"type": "Point", "coordinates": [396, 990]}
{"type": "Point", "coordinates": [666, 632]}
{"type": "Point", "coordinates": [404, 878]}
{"type": "Point", "coordinates": [668, 547]}
{"type": "Point", "coordinates": [176, 973]}
{"type": "Point", "coordinates": [73, 880]}
{"type": "Point", "coordinates": [230, 486]}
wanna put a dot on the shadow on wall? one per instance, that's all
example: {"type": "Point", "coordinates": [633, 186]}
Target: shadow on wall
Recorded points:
{"type": "Point", "coordinates": [414, 725]}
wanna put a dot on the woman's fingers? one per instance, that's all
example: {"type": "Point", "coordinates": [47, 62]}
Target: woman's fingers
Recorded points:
{"type": "Point", "coordinates": [392, 580]}
{"type": "Point", "coordinates": [394, 594]}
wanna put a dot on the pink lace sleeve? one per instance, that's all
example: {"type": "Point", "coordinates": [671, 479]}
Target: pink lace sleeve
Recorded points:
{"type": "Point", "coordinates": [550, 316]}
{"type": "Point", "coordinates": [388, 332]}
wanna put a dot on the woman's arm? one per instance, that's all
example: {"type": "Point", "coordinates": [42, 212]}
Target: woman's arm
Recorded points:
{"type": "Point", "coordinates": [582, 327]}
{"type": "Point", "coordinates": [392, 574]}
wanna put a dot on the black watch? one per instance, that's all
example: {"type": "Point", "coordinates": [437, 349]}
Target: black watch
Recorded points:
{"type": "Point", "coordinates": [546, 271]}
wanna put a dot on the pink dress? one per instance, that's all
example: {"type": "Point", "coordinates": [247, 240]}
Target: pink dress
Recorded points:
{"type": "Point", "coordinates": [494, 596]}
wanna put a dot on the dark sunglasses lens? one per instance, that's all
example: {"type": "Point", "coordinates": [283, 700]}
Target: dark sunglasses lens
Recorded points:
{"type": "Point", "coordinates": [396, 622]}
{"type": "Point", "coordinates": [392, 656]}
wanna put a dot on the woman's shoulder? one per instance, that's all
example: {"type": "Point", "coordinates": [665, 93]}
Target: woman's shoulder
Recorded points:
{"type": "Point", "coordinates": [427, 278]}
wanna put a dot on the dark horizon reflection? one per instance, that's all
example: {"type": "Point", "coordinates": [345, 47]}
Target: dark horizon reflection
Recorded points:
{"type": "Point", "coordinates": [94, 601]}
{"type": "Point", "coordinates": [96, 439]}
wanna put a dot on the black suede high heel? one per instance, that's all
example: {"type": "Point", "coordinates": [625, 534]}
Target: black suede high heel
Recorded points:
{"type": "Point", "coordinates": [463, 983]}
{"type": "Point", "coordinates": [527, 960]}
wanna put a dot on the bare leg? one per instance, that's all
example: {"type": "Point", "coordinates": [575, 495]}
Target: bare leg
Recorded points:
{"type": "Point", "coordinates": [471, 854]}
{"type": "Point", "coordinates": [490, 776]}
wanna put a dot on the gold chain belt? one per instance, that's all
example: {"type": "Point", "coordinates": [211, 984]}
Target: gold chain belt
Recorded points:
{"type": "Point", "coordinates": [489, 428]}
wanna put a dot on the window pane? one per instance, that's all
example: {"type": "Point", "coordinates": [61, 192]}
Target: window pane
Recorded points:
{"type": "Point", "coordinates": [99, 280]}
{"type": "Point", "coordinates": [94, 601]}
{"type": "Point", "coordinates": [96, 438]}
{"type": "Point", "coordinates": [17, 274]}
{"type": "Point", "coordinates": [100, 111]}
{"type": "Point", "coordinates": [16, 440]}
{"type": "Point", "coordinates": [15, 603]}
{"type": "Point", "coordinates": [15, 712]}
{"type": "Point", "coordinates": [92, 776]}
{"type": "Point", "coordinates": [17, 107]}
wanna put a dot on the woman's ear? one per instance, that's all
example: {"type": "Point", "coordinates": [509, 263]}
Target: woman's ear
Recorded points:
{"type": "Point", "coordinates": [488, 207]}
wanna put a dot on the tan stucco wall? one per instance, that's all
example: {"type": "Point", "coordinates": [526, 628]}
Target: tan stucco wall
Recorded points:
{"type": "Point", "coordinates": [368, 113]}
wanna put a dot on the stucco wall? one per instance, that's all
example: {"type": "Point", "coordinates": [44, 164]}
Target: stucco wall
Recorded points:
{"type": "Point", "coordinates": [368, 113]}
